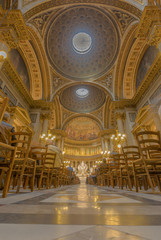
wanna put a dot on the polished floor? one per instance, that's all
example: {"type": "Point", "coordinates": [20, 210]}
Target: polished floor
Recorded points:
{"type": "Point", "coordinates": [80, 212]}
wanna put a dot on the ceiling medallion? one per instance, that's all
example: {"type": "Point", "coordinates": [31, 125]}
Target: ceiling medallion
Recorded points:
{"type": "Point", "coordinates": [82, 42]}
{"type": "Point", "coordinates": [82, 92]}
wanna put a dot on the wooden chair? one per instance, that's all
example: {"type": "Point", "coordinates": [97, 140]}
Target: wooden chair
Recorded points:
{"type": "Point", "coordinates": [114, 169]}
{"type": "Point", "coordinates": [39, 155]}
{"type": "Point", "coordinates": [49, 169]}
{"type": "Point", "coordinates": [7, 158]}
{"type": "Point", "coordinates": [23, 166]}
{"type": "Point", "coordinates": [149, 164]}
{"type": "Point", "coordinates": [131, 153]}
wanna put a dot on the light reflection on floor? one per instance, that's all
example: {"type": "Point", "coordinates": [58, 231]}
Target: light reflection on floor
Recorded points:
{"type": "Point", "coordinates": [81, 212]}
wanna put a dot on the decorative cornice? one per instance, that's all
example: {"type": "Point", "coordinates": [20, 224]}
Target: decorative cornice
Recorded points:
{"type": "Point", "coordinates": [150, 17]}
{"type": "Point", "coordinates": [120, 115]}
{"type": "Point", "coordinates": [155, 37]}
{"type": "Point", "coordinates": [82, 158]}
{"type": "Point", "coordinates": [89, 143]}
{"type": "Point", "coordinates": [58, 132]}
{"type": "Point", "coordinates": [107, 132]}
{"type": "Point", "coordinates": [45, 116]}
{"type": "Point", "coordinates": [57, 3]}
{"type": "Point", "coordinates": [13, 28]}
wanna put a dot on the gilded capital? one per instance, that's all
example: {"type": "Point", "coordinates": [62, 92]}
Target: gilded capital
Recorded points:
{"type": "Point", "coordinates": [45, 116]}
{"type": "Point", "coordinates": [120, 115]}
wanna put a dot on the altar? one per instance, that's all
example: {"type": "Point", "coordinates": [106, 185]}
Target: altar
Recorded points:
{"type": "Point", "coordinates": [82, 169]}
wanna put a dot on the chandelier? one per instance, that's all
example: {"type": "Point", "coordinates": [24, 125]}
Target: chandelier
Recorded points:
{"type": "Point", "coordinates": [117, 140]}
{"type": "Point", "coordinates": [47, 138]}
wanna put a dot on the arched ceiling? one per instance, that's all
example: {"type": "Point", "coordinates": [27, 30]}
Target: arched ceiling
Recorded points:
{"type": "Point", "coordinates": [82, 43]}
{"type": "Point", "coordinates": [106, 24]}
{"type": "Point", "coordinates": [82, 98]}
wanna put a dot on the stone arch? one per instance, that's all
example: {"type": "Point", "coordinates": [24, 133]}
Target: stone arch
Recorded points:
{"type": "Point", "coordinates": [70, 118]}
{"type": "Point", "coordinates": [43, 64]}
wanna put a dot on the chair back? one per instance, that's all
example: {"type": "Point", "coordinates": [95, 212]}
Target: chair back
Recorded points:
{"type": "Point", "coordinates": [22, 141]}
{"type": "Point", "coordinates": [39, 154]}
{"type": "Point", "coordinates": [50, 160]}
{"type": "Point", "coordinates": [115, 160]}
{"type": "Point", "coordinates": [149, 144]}
{"type": "Point", "coordinates": [131, 153]}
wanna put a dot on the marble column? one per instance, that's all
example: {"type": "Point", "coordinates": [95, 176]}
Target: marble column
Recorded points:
{"type": "Point", "coordinates": [20, 4]}
{"type": "Point", "coordinates": [102, 143]}
{"type": "Point", "coordinates": [156, 118]}
{"type": "Point", "coordinates": [106, 139]}
{"type": "Point", "coordinates": [59, 134]}
{"type": "Point", "coordinates": [45, 121]}
{"type": "Point", "coordinates": [120, 116]}
{"type": "Point", "coordinates": [129, 122]}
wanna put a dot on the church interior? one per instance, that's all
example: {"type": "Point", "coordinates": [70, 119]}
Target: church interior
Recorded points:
{"type": "Point", "coordinates": [80, 119]}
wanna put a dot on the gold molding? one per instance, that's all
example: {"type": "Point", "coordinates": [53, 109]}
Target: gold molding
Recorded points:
{"type": "Point", "coordinates": [13, 28]}
{"type": "Point", "coordinates": [43, 62]}
{"type": "Point", "coordinates": [122, 59]}
{"type": "Point", "coordinates": [107, 132]}
{"type": "Point", "coordinates": [33, 64]}
{"type": "Point", "coordinates": [58, 132]}
{"type": "Point", "coordinates": [82, 158]}
{"type": "Point", "coordinates": [57, 3]}
{"type": "Point", "coordinates": [88, 143]}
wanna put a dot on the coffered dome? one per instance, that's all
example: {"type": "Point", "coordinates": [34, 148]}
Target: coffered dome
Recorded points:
{"type": "Point", "coordinates": [82, 43]}
{"type": "Point", "coordinates": [82, 98]}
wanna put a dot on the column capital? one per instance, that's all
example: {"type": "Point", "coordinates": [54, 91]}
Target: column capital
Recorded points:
{"type": "Point", "coordinates": [107, 132]}
{"type": "Point", "coordinates": [58, 133]}
{"type": "Point", "coordinates": [45, 116]}
{"type": "Point", "coordinates": [120, 115]}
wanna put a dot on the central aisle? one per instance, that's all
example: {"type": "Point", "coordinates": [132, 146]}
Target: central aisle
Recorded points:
{"type": "Point", "coordinates": [80, 212]}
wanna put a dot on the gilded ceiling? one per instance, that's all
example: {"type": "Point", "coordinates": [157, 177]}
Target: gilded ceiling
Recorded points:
{"type": "Point", "coordinates": [82, 43]}
{"type": "Point", "coordinates": [82, 98]}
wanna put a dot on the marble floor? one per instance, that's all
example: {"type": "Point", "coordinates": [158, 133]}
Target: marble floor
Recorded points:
{"type": "Point", "coordinates": [80, 212]}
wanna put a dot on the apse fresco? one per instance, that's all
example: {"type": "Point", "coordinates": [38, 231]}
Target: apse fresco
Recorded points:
{"type": "Point", "coordinates": [146, 62]}
{"type": "Point", "coordinates": [82, 129]}
{"type": "Point", "coordinates": [19, 65]}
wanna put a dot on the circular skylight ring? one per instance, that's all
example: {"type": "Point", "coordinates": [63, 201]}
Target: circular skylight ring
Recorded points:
{"type": "Point", "coordinates": [82, 92]}
{"type": "Point", "coordinates": [82, 42]}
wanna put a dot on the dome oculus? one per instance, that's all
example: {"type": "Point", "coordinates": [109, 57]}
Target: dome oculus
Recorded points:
{"type": "Point", "coordinates": [82, 42]}
{"type": "Point", "coordinates": [82, 92]}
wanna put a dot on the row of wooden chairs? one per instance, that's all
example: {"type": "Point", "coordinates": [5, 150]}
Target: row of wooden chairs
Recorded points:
{"type": "Point", "coordinates": [22, 166]}
{"type": "Point", "coordinates": [31, 168]}
{"type": "Point", "coordinates": [137, 166]}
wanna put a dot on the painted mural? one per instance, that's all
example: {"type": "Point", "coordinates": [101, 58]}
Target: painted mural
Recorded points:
{"type": "Point", "coordinates": [19, 64]}
{"type": "Point", "coordinates": [146, 62]}
{"type": "Point", "coordinates": [82, 129]}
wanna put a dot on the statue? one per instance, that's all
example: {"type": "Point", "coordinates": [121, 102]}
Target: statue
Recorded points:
{"type": "Point", "coordinates": [82, 168]}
